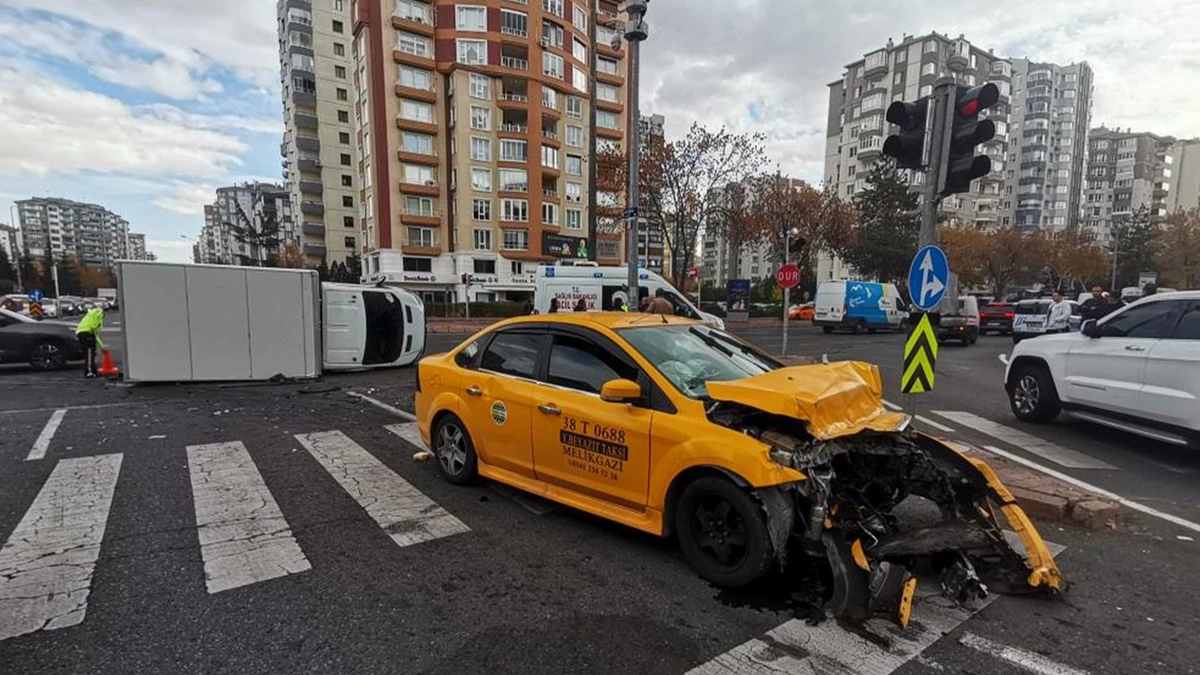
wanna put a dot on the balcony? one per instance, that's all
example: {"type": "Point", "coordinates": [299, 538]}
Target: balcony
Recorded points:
{"type": "Point", "coordinates": [421, 241]}
{"type": "Point", "coordinates": [315, 250]}
{"type": "Point", "coordinates": [307, 164]}
{"type": "Point", "coordinates": [311, 187]}
{"type": "Point", "coordinates": [313, 229]}
{"type": "Point", "coordinates": [305, 121]}
{"type": "Point", "coordinates": [304, 98]}
{"type": "Point", "coordinates": [515, 32]}
{"type": "Point", "coordinates": [512, 128]}
{"type": "Point", "coordinates": [312, 208]}
{"type": "Point", "coordinates": [549, 193]}
{"type": "Point", "coordinates": [869, 148]}
{"type": "Point", "coordinates": [514, 63]}
{"type": "Point", "coordinates": [308, 144]}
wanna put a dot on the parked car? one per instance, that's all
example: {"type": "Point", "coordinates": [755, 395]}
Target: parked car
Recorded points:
{"type": "Point", "coordinates": [962, 325]}
{"type": "Point", "coordinates": [43, 345]}
{"type": "Point", "coordinates": [1030, 318]}
{"type": "Point", "coordinates": [802, 312]}
{"type": "Point", "coordinates": [997, 317]}
{"type": "Point", "coordinates": [1137, 369]}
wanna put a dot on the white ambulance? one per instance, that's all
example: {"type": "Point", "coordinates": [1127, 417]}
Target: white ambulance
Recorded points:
{"type": "Point", "coordinates": [604, 289]}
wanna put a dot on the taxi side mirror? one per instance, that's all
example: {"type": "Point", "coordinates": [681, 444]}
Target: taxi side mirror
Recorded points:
{"type": "Point", "coordinates": [621, 391]}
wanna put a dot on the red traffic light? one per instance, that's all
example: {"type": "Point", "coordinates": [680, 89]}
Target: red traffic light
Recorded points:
{"type": "Point", "coordinates": [971, 101]}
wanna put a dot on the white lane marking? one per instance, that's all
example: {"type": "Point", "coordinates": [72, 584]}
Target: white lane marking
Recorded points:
{"type": "Point", "coordinates": [892, 406]}
{"type": "Point", "coordinates": [47, 564]}
{"type": "Point", "coordinates": [42, 444]}
{"type": "Point", "coordinates": [1026, 660]}
{"type": "Point", "coordinates": [1136, 506]}
{"type": "Point", "coordinates": [244, 538]}
{"type": "Point", "coordinates": [1027, 442]}
{"type": "Point", "coordinates": [796, 647]}
{"type": "Point", "coordinates": [404, 512]}
{"type": "Point", "coordinates": [409, 431]}
{"type": "Point", "coordinates": [380, 404]}
{"type": "Point", "coordinates": [20, 411]}
{"type": "Point", "coordinates": [936, 425]}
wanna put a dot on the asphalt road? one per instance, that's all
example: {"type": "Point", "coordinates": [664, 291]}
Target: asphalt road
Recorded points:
{"type": "Point", "coordinates": [501, 582]}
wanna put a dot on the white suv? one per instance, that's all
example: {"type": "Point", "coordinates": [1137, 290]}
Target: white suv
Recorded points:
{"type": "Point", "coordinates": [1137, 369]}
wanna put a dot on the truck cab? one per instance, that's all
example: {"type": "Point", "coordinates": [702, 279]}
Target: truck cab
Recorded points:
{"type": "Point", "coordinates": [367, 326]}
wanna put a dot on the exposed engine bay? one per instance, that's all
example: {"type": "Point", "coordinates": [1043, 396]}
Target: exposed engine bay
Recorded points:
{"type": "Point", "coordinates": [845, 512]}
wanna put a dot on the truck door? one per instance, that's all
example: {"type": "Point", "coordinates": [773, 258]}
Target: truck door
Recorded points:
{"type": "Point", "coordinates": [345, 327]}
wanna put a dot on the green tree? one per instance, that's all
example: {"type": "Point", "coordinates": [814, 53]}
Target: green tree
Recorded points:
{"type": "Point", "coordinates": [323, 271]}
{"type": "Point", "coordinates": [31, 274]}
{"type": "Point", "coordinates": [883, 240]}
{"type": "Point", "coordinates": [1134, 247]}
{"type": "Point", "coordinates": [354, 267]}
{"type": "Point", "coordinates": [70, 276]}
{"type": "Point", "coordinates": [1178, 250]}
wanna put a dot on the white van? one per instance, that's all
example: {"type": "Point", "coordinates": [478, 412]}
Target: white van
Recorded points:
{"type": "Point", "coordinates": [371, 326]}
{"type": "Point", "coordinates": [603, 289]}
{"type": "Point", "coordinates": [858, 306]}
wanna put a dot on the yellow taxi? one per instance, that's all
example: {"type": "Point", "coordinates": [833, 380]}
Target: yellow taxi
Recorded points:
{"type": "Point", "coordinates": [675, 428]}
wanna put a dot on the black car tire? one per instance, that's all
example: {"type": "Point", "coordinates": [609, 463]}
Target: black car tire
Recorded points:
{"type": "Point", "coordinates": [48, 355]}
{"type": "Point", "coordinates": [1032, 395]}
{"type": "Point", "coordinates": [454, 451]}
{"type": "Point", "coordinates": [714, 518]}
{"type": "Point", "coordinates": [859, 327]}
{"type": "Point", "coordinates": [827, 329]}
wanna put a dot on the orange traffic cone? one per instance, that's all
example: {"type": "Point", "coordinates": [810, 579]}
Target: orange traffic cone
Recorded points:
{"type": "Point", "coordinates": [107, 368]}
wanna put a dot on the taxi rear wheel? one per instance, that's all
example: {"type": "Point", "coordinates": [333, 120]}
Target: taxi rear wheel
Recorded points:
{"type": "Point", "coordinates": [723, 532]}
{"type": "Point", "coordinates": [454, 451]}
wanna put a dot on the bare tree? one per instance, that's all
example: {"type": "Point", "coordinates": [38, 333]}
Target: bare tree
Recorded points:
{"type": "Point", "coordinates": [780, 204]}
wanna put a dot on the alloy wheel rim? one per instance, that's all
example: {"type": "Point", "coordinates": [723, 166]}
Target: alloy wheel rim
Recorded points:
{"type": "Point", "coordinates": [452, 452]}
{"type": "Point", "coordinates": [45, 355]}
{"type": "Point", "coordinates": [1027, 394]}
{"type": "Point", "coordinates": [720, 531]}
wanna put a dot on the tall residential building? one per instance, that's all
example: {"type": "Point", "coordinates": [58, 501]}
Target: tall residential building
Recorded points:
{"type": "Point", "coordinates": [55, 227]}
{"type": "Point", "coordinates": [319, 139]}
{"type": "Point", "coordinates": [474, 135]}
{"type": "Point", "coordinates": [652, 253]}
{"type": "Point", "coordinates": [1185, 176]}
{"type": "Point", "coordinates": [755, 261]}
{"type": "Point", "coordinates": [248, 224]}
{"type": "Point", "coordinates": [1126, 171]}
{"type": "Point", "coordinates": [10, 242]}
{"type": "Point", "coordinates": [136, 248]}
{"type": "Point", "coordinates": [1052, 111]}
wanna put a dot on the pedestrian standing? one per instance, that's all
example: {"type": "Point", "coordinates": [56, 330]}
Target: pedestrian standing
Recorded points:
{"type": "Point", "coordinates": [1095, 307]}
{"type": "Point", "coordinates": [553, 306]}
{"type": "Point", "coordinates": [1059, 320]}
{"type": "Point", "coordinates": [88, 334]}
{"type": "Point", "coordinates": [660, 304]}
{"type": "Point", "coordinates": [581, 306]}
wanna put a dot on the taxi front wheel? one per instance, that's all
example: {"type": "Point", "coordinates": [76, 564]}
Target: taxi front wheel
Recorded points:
{"type": "Point", "coordinates": [723, 532]}
{"type": "Point", "coordinates": [454, 451]}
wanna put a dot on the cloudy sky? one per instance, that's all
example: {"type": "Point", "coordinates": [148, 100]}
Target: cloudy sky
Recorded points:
{"type": "Point", "coordinates": [146, 106]}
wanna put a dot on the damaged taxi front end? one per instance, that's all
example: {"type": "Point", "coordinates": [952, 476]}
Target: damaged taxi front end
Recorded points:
{"type": "Point", "coordinates": [860, 462]}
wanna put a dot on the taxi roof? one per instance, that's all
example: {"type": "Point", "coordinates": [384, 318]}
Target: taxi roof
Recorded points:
{"type": "Point", "coordinates": [610, 320]}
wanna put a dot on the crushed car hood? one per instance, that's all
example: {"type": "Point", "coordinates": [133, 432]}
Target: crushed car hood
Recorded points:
{"type": "Point", "coordinates": [833, 399]}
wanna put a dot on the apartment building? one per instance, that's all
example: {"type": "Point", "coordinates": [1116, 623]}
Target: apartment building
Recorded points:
{"type": "Point", "coordinates": [10, 242]}
{"type": "Point", "coordinates": [1184, 181]}
{"type": "Point", "coordinates": [57, 228]}
{"type": "Point", "coordinates": [136, 247]}
{"type": "Point", "coordinates": [1126, 171]}
{"type": "Point", "coordinates": [318, 148]}
{"type": "Point", "coordinates": [755, 261]}
{"type": "Point", "coordinates": [248, 224]}
{"type": "Point", "coordinates": [475, 130]}
{"type": "Point", "coordinates": [652, 252]}
{"type": "Point", "coordinates": [1051, 114]}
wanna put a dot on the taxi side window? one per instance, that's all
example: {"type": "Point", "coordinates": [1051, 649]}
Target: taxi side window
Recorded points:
{"type": "Point", "coordinates": [578, 363]}
{"type": "Point", "coordinates": [513, 354]}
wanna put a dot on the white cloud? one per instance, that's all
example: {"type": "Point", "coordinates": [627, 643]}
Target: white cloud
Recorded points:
{"type": "Point", "coordinates": [171, 250]}
{"type": "Point", "coordinates": [173, 115]}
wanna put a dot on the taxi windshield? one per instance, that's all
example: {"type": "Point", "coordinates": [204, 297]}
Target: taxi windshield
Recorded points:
{"type": "Point", "coordinates": [692, 356]}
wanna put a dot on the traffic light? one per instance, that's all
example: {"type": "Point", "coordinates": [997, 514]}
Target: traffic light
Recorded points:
{"type": "Point", "coordinates": [908, 146]}
{"type": "Point", "coordinates": [796, 246]}
{"type": "Point", "coordinates": [968, 131]}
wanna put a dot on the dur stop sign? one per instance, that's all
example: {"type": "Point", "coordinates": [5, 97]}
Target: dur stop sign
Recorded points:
{"type": "Point", "coordinates": [788, 276]}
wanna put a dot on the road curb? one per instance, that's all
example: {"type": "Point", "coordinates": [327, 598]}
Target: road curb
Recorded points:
{"type": "Point", "coordinates": [1048, 499]}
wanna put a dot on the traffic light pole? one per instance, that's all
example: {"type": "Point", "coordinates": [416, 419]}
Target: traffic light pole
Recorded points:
{"type": "Point", "coordinates": [941, 111]}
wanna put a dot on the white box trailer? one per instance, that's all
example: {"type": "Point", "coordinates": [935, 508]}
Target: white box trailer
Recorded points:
{"type": "Point", "coordinates": [184, 322]}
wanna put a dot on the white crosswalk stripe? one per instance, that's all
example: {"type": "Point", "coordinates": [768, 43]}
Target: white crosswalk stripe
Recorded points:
{"type": "Point", "coordinates": [1048, 451]}
{"type": "Point", "coordinates": [244, 539]}
{"type": "Point", "coordinates": [47, 564]}
{"type": "Point", "coordinates": [42, 444]}
{"type": "Point", "coordinates": [407, 515]}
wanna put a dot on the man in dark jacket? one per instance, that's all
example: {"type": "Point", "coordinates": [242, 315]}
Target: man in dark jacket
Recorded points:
{"type": "Point", "coordinates": [1095, 307]}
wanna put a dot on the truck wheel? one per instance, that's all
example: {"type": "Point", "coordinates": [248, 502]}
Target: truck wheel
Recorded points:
{"type": "Point", "coordinates": [1032, 396]}
{"type": "Point", "coordinates": [827, 329]}
{"type": "Point", "coordinates": [723, 532]}
{"type": "Point", "coordinates": [858, 327]}
{"type": "Point", "coordinates": [454, 451]}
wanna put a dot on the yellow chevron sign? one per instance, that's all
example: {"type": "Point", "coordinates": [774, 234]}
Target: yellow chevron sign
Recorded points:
{"type": "Point", "coordinates": [920, 357]}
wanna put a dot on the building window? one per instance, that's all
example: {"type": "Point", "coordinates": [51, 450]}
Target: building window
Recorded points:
{"type": "Point", "coordinates": [481, 86]}
{"type": "Point", "coordinates": [574, 219]}
{"type": "Point", "coordinates": [514, 23]}
{"type": "Point", "coordinates": [549, 157]}
{"type": "Point", "coordinates": [345, 159]}
{"type": "Point", "coordinates": [347, 201]}
{"type": "Point", "coordinates": [338, 27]}
{"type": "Point", "coordinates": [481, 118]}
{"type": "Point", "coordinates": [574, 107]}
{"type": "Point", "coordinates": [925, 90]}
{"type": "Point", "coordinates": [416, 174]}
{"type": "Point", "coordinates": [417, 111]}
{"type": "Point", "coordinates": [607, 120]}
{"type": "Point", "coordinates": [578, 49]}
{"type": "Point", "coordinates": [416, 78]}
{"type": "Point", "coordinates": [607, 66]}
{"type": "Point", "coordinates": [575, 165]}
{"type": "Point", "coordinates": [417, 143]}
{"type": "Point", "coordinates": [418, 264]}
{"type": "Point", "coordinates": [472, 18]}
{"type": "Point", "coordinates": [574, 192]}
{"type": "Point", "coordinates": [410, 43]}
{"type": "Point", "coordinates": [516, 240]}
{"type": "Point", "coordinates": [579, 79]}
{"type": "Point", "coordinates": [549, 213]}
{"type": "Point", "coordinates": [549, 98]}
{"type": "Point", "coordinates": [483, 238]}
{"type": "Point", "coordinates": [579, 18]}
{"type": "Point", "coordinates": [929, 69]}
{"type": "Point", "coordinates": [513, 151]}
{"type": "Point", "coordinates": [348, 221]}
{"type": "Point", "coordinates": [514, 180]}
{"type": "Point", "coordinates": [481, 209]}
{"type": "Point", "coordinates": [342, 94]}
{"type": "Point", "coordinates": [347, 181]}
{"type": "Point", "coordinates": [343, 116]}
{"type": "Point", "coordinates": [413, 10]}
{"type": "Point", "coordinates": [418, 206]}
{"type": "Point", "coordinates": [339, 49]}
{"type": "Point", "coordinates": [344, 137]}
{"type": "Point", "coordinates": [481, 179]}
{"type": "Point", "coordinates": [340, 73]}
{"type": "Point", "coordinates": [607, 92]}
{"type": "Point", "coordinates": [481, 149]}
{"type": "Point", "coordinates": [931, 46]}
{"type": "Point", "coordinates": [419, 236]}
{"type": "Point", "coordinates": [875, 60]}
{"type": "Point", "coordinates": [607, 36]}
{"type": "Point", "coordinates": [552, 65]}
{"type": "Point", "coordinates": [515, 210]}
{"type": "Point", "coordinates": [472, 52]}
{"type": "Point", "coordinates": [575, 136]}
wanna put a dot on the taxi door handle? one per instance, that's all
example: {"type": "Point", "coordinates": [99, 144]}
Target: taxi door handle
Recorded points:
{"type": "Point", "coordinates": [474, 391]}
{"type": "Point", "coordinates": [550, 409]}
{"type": "Point", "coordinates": [1135, 348]}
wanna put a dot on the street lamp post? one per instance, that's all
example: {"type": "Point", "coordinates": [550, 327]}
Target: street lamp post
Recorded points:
{"type": "Point", "coordinates": [788, 234]}
{"type": "Point", "coordinates": [12, 214]}
{"type": "Point", "coordinates": [636, 30]}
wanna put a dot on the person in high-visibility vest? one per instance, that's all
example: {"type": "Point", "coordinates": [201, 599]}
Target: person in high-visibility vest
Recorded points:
{"type": "Point", "coordinates": [88, 334]}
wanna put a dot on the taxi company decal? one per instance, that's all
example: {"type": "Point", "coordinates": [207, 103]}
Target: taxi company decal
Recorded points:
{"type": "Point", "coordinates": [499, 413]}
{"type": "Point", "coordinates": [594, 448]}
